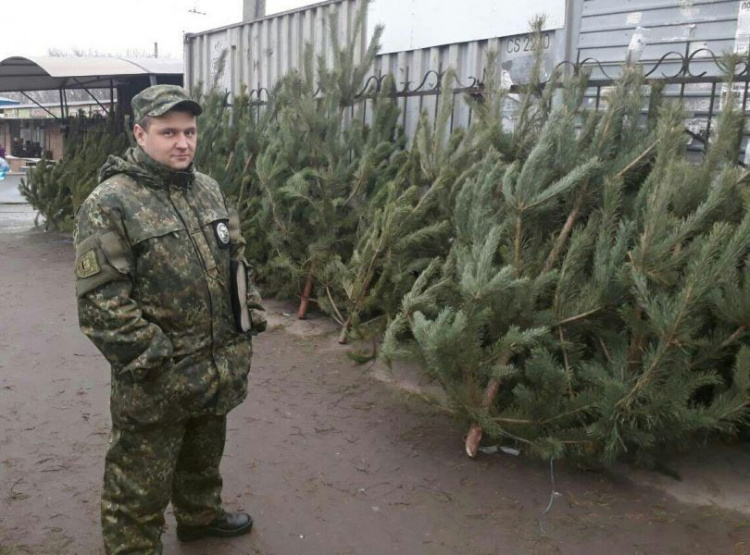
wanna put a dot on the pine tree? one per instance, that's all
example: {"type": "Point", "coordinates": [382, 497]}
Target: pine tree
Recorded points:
{"type": "Point", "coordinates": [57, 190]}
{"type": "Point", "coordinates": [409, 222]}
{"type": "Point", "coordinates": [232, 138]}
{"type": "Point", "coordinates": [572, 280]}
{"type": "Point", "coordinates": [314, 171]}
{"type": "Point", "coordinates": [584, 307]}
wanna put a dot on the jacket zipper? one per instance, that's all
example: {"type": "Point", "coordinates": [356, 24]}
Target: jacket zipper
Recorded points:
{"type": "Point", "coordinates": [203, 265]}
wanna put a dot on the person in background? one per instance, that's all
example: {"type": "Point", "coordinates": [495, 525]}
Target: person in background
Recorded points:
{"type": "Point", "coordinates": [4, 167]}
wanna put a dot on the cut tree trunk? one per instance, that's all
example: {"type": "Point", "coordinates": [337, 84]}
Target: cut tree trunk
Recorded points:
{"type": "Point", "coordinates": [344, 335]}
{"type": "Point", "coordinates": [305, 300]}
{"type": "Point", "coordinates": [472, 440]}
{"type": "Point", "coordinates": [474, 437]}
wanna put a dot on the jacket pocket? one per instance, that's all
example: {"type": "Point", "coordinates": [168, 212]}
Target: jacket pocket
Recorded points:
{"type": "Point", "coordinates": [141, 230]}
{"type": "Point", "coordinates": [148, 400]}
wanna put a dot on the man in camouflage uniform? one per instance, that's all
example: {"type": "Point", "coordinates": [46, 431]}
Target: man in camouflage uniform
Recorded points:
{"type": "Point", "coordinates": [154, 244]}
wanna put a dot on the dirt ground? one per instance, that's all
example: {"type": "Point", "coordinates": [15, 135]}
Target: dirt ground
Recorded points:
{"type": "Point", "coordinates": [327, 460]}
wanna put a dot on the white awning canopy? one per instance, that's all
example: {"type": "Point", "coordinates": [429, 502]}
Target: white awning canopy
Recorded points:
{"type": "Point", "coordinates": [54, 73]}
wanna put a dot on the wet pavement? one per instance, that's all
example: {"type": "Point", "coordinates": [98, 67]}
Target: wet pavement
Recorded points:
{"type": "Point", "coordinates": [15, 218]}
{"type": "Point", "coordinates": [9, 188]}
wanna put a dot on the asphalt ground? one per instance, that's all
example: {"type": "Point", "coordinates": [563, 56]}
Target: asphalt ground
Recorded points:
{"type": "Point", "coordinates": [327, 460]}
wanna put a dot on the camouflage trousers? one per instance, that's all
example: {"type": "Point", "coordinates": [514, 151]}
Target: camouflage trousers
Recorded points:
{"type": "Point", "coordinates": [146, 467]}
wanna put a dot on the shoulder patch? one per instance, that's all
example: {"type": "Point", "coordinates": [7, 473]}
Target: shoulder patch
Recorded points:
{"type": "Point", "coordinates": [87, 265]}
{"type": "Point", "coordinates": [222, 234]}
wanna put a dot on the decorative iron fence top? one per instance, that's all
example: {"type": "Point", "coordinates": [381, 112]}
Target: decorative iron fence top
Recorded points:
{"type": "Point", "coordinates": [673, 67]}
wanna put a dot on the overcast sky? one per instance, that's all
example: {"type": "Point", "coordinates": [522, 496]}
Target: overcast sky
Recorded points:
{"type": "Point", "coordinates": [32, 27]}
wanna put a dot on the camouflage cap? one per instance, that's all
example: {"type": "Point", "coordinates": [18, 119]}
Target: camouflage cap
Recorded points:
{"type": "Point", "coordinates": [158, 100]}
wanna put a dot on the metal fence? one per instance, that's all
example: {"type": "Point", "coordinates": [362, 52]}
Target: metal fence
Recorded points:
{"type": "Point", "coordinates": [699, 78]}
{"type": "Point", "coordinates": [695, 78]}
{"type": "Point", "coordinates": [414, 98]}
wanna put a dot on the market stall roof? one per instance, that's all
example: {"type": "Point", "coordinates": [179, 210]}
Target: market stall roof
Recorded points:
{"type": "Point", "coordinates": [8, 101]}
{"type": "Point", "coordinates": [40, 73]}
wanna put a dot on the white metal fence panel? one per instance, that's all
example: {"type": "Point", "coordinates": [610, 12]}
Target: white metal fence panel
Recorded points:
{"type": "Point", "coordinates": [259, 53]}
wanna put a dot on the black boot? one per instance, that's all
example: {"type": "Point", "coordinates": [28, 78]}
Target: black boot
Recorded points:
{"type": "Point", "coordinates": [227, 526]}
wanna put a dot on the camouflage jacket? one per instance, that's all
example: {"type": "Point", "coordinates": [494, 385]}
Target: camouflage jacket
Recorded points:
{"type": "Point", "coordinates": [152, 281]}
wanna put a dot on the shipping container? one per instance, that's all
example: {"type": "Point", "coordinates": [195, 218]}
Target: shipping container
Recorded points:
{"type": "Point", "coordinates": [259, 52]}
{"type": "Point", "coordinates": [671, 38]}
{"type": "Point", "coordinates": [428, 35]}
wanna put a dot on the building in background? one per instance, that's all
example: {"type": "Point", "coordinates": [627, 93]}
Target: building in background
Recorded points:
{"type": "Point", "coordinates": [8, 102]}
{"type": "Point", "coordinates": [36, 131]}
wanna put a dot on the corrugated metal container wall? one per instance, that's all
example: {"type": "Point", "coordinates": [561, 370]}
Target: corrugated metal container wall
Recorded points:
{"type": "Point", "coordinates": [678, 26]}
{"type": "Point", "coordinates": [514, 58]}
{"type": "Point", "coordinates": [667, 32]}
{"type": "Point", "coordinates": [260, 52]}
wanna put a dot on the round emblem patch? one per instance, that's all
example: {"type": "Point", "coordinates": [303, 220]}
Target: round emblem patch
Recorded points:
{"type": "Point", "coordinates": [222, 233]}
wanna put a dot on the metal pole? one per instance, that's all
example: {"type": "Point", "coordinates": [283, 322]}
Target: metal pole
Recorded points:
{"type": "Point", "coordinates": [685, 70]}
{"type": "Point", "coordinates": [598, 97]}
{"type": "Point", "coordinates": [453, 110]}
{"type": "Point", "coordinates": [406, 90]}
{"type": "Point", "coordinates": [42, 107]}
{"type": "Point", "coordinates": [92, 96]}
{"type": "Point", "coordinates": [253, 9]}
{"type": "Point", "coordinates": [710, 114]}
